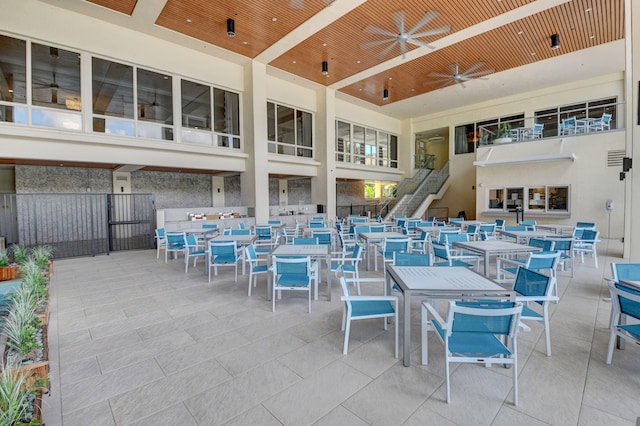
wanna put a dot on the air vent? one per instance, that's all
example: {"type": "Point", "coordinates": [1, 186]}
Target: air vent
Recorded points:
{"type": "Point", "coordinates": [614, 158]}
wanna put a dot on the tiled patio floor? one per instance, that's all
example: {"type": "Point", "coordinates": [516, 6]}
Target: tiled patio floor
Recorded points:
{"type": "Point", "coordinates": [135, 341]}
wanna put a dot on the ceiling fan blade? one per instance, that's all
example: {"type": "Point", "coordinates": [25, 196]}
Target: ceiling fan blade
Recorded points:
{"type": "Point", "coordinates": [463, 86]}
{"type": "Point", "coordinates": [454, 68]}
{"type": "Point", "coordinates": [440, 30]}
{"type": "Point", "coordinates": [403, 49]}
{"type": "Point", "coordinates": [428, 17]}
{"type": "Point", "coordinates": [374, 43]}
{"type": "Point", "coordinates": [296, 4]}
{"type": "Point", "coordinates": [381, 31]}
{"type": "Point", "coordinates": [54, 95]}
{"type": "Point", "coordinates": [478, 74]}
{"type": "Point", "coordinates": [398, 18]}
{"type": "Point", "coordinates": [387, 50]}
{"type": "Point", "coordinates": [474, 67]}
{"type": "Point", "coordinates": [438, 74]}
{"type": "Point", "coordinates": [432, 82]}
{"type": "Point", "coordinates": [420, 43]}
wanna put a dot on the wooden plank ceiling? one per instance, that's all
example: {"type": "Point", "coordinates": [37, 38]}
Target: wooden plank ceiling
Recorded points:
{"type": "Point", "coordinates": [260, 24]}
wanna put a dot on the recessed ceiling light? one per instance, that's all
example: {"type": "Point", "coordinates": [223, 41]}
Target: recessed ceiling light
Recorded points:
{"type": "Point", "coordinates": [588, 9]}
{"type": "Point", "coordinates": [324, 44]}
{"type": "Point", "coordinates": [189, 20]}
{"type": "Point", "coordinates": [294, 62]}
{"type": "Point", "coordinates": [274, 19]}
{"type": "Point", "coordinates": [592, 37]}
{"type": "Point", "coordinates": [390, 78]}
{"type": "Point", "coordinates": [357, 62]}
{"type": "Point", "coordinates": [533, 53]}
{"type": "Point", "coordinates": [520, 32]}
{"type": "Point", "coordinates": [245, 42]}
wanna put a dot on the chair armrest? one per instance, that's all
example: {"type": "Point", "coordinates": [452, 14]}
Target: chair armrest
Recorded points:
{"type": "Point", "coordinates": [435, 313]}
{"type": "Point", "coordinates": [537, 299]}
{"type": "Point", "coordinates": [512, 262]}
{"type": "Point", "coordinates": [371, 298]}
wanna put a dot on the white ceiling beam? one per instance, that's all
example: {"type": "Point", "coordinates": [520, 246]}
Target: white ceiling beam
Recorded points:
{"type": "Point", "coordinates": [332, 12]}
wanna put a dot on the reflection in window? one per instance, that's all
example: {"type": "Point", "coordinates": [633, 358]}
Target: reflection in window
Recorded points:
{"type": "Point", "coordinates": [362, 145]}
{"type": "Point", "coordinates": [196, 106]}
{"type": "Point", "coordinates": [226, 112]}
{"type": "Point", "coordinates": [55, 76]}
{"type": "Point", "coordinates": [496, 199]}
{"type": "Point", "coordinates": [112, 89]}
{"type": "Point", "coordinates": [541, 199]}
{"type": "Point", "coordinates": [343, 141]}
{"type": "Point", "coordinates": [289, 131]}
{"type": "Point", "coordinates": [58, 119]}
{"type": "Point", "coordinates": [155, 97]}
{"type": "Point", "coordinates": [13, 69]}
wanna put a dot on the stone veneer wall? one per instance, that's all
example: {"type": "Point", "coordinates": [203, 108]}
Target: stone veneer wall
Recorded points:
{"type": "Point", "coordinates": [232, 191]}
{"type": "Point", "coordinates": [36, 179]}
{"type": "Point", "coordinates": [350, 192]}
{"type": "Point", "coordinates": [274, 197]}
{"type": "Point", "coordinates": [173, 189]}
{"type": "Point", "coordinates": [299, 191]}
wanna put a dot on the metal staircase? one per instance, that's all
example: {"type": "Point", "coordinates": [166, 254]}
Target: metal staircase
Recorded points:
{"type": "Point", "coordinates": [424, 189]}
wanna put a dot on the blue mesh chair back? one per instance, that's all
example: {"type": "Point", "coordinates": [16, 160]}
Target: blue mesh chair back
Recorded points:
{"type": "Point", "coordinates": [395, 244]}
{"type": "Point", "coordinates": [305, 241]}
{"type": "Point", "coordinates": [323, 237]}
{"type": "Point", "coordinates": [263, 232]}
{"type": "Point", "coordinates": [411, 259]}
{"type": "Point", "coordinates": [543, 260]}
{"type": "Point", "coordinates": [545, 245]}
{"type": "Point", "coordinates": [500, 325]}
{"type": "Point", "coordinates": [529, 224]}
{"type": "Point", "coordinates": [452, 238]}
{"type": "Point", "coordinates": [589, 234]}
{"type": "Point", "coordinates": [515, 228]}
{"type": "Point", "coordinates": [359, 219]}
{"type": "Point", "coordinates": [287, 267]}
{"type": "Point", "coordinates": [487, 227]}
{"type": "Point", "coordinates": [241, 225]}
{"type": "Point", "coordinates": [316, 224]}
{"type": "Point", "coordinates": [531, 283]}
{"type": "Point", "coordinates": [585, 225]}
{"type": "Point", "coordinates": [376, 228]}
{"type": "Point", "coordinates": [358, 229]}
{"type": "Point", "coordinates": [240, 232]}
{"type": "Point", "coordinates": [626, 271]}
{"type": "Point", "coordinates": [223, 251]}
{"type": "Point", "coordinates": [209, 226]}
{"type": "Point", "coordinates": [499, 223]}
{"type": "Point", "coordinates": [274, 222]}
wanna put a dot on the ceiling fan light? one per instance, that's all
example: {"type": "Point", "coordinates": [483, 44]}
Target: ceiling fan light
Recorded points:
{"type": "Point", "coordinates": [231, 27]}
{"type": "Point", "coordinates": [325, 67]}
{"type": "Point", "coordinates": [385, 94]}
{"type": "Point", "coordinates": [555, 41]}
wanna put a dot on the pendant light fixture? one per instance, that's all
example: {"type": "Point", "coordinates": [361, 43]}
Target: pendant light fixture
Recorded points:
{"type": "Point", "coordinates": [231, 27]}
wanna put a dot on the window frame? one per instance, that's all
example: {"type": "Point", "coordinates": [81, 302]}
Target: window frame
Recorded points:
{"type": "Point", "coordinates": [300, 145]}
{"type": "Point", "coordinates": [365, 145]}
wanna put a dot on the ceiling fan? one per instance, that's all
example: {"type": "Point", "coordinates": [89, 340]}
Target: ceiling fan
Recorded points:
{"type": "Point", "coordinates": [299, 4]}
{"type": "Point", "coordinates": [53, 86]}
{"type": "Point", "coordinates": [459, 77]}
{"type": "Point", "coordinates": [402, 37]}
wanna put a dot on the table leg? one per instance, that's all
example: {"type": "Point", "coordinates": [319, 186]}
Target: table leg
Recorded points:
{"type": "Point", "coordinates": [486, 264]}
{"type": "Point", "coordinates": [406, 337]}
{"type": "Point", "coordinates": [329, 276]}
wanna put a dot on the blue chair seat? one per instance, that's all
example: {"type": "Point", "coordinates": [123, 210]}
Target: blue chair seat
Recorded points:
{"type": "Point", "coordinates": [260, 268]}
{"type": "Point", "coordinates": [370, 307]}
{"type": "Point", "coordinates": [473, 344]}
{"type": "Point", "coordinates": [632, 329]}
{"type": "Point", "coordinates": [293, 280]}
{"type": "Point", "coordinates": [225, 259]}
{"type": "Point", "coordinates": [530, 313]}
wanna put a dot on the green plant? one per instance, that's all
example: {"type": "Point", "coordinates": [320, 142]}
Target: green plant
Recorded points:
{"type": "Point", "coordinates": [20, 253]}
{"type": "Point", "coordinates": [4, 257]}
{"type": "Point", "coordinates": [504, 131]}
{"type": "Point", "coordinates": [21, 323]}
{"type": "Point", "coordinates": [14, 397]}
{"type": "Point", "coordinates": [41, 255]}
{"type": "Point", "coordinates": [33, 279]}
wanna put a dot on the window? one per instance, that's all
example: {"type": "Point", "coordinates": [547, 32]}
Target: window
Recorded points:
{"type": "Point", "coordinates": [553, 117]}
{"type": "Point", "coordinates": [539, 199]}
{"type": "Point", "coordinates": [155, 105]}
{"type": "Point", "coordinates": [468, 136]}
{"type": "Point", "coordinates": [289, 131]}
{"type": "Point", "coordinates": [363, 145]}
{"type": "Point", "coordinates": [112, 94]}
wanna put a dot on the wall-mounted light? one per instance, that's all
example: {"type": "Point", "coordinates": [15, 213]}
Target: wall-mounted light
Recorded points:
{"type": "Point", "coordinates": [325, 67]}
{"type": "Point", "coordinates": [218, 190]}
{"type": "Point", "coordinates": [555, 41]}
{"type": "Point", "coordinates": [283, 191]}
{"type": "Point", "coordinates": [385, 94]}
{"type": "Point", "coordinates": [627, 163]}
{"type": "Point", "coordinates": [231, 27]}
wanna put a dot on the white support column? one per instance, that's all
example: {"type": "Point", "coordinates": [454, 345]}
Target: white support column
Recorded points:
{"type": "Point", "coordinates": [323, 186]}
{"type": "Point", "coordinates": [255, 181]}
{"type": "Point", "coordinates": [632, 96]}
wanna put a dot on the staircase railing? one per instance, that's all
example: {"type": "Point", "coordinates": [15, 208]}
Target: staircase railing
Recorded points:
{"type": "Point", "coordinates": [409, 185]}
{"type": "Point", "coordinates": [409, 204]}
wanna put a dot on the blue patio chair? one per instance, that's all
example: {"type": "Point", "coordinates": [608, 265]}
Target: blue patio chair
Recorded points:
{"type": "Point", "coordinates": [316, 224]}
{"type": "Point", "coordinates": [533, 288]}
{"type": "Point", "coordinates": [442, 236]}
{"type": "Point", "coordinates": [539, 261]}
{"type": "Point", "coordinates": [255, 268]}
{"type": "Point", "coordinates": [209, 226]}
{"type": "Point", "coordinates": [500, 224]}
{"type": "Point", "coordinates": [587, 243]}
{"type": "Point", "coordinates": [241, 225]}
{"type": "Point", "coordinates": [291, 274]}
{"type": "Point", "coordinates": [421, 243]}
{"type": "Point", "coordinates": [601, 124]}
{"type": "Point", "coordinates": [274, 222]}
{"type": "Point", "coordinates": [161, 241]}
{"type": "Point", "coordinates": [564, 245]}
{"type": "Point", "coordinates": [455, 221]}
{"type": "Point", "coordinates": [586, 225]}
{"type": "Point", "coordinates": [544, 245]}
{"type": "Point", "coordinates": [223, 253]}
{"type": "Point", "coordinates": [487, 228]}
{"type": "Point", "coordinates": [305, 240]}
{"type": "Point", "coordinates": [625, 303]}
{"type": "Point", "coordinates": [411, 259]}
{"type": "Point", "coordinates": [625, 271]}
{"type": "Point", "coordinates": [193, 250]}
{"type": "Point", "coordinates": [367, 307]}
{"type": "Point", "coordinates": [515, 228]}
{"type": "Point", "coordinates": [348, 263]}
{"type": "Point", "coordinates": [482, 332]}
{"type": "Point", "coordinates": [529, 224]}
{"type": "Point", "coordinates": [174, 244]}
{"type": "Point", "coordinates": [389, 246]}
{"type": "Point", "coordinates": [324, 237]}
{"type": "Point", "coordinates": [376, 228]}
{"type": "Point", "coordinates": [442, 251]}
{"type": "Point", "coordinates": [568, 126]}
{"type": "Point", "coordinates": [536, 131]}
{"type": "Point", "coordinates": [472, 232]}
{"type": "Point", "coordinates": [240, 232]}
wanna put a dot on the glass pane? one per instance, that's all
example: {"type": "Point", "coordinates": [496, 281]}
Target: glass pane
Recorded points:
{"type": "Point", "coordinates": [305, 152]}
{"type": "Point", "coordinates": [548, 118]}
{"type": "Point", "coordinates": [304, 129]}
{"type": "Point", "coordinates": [272, 147]}
{"type": "Point", "coordinates": [226, 112]}
{"type": "Point", "coordinates": [227, 141]}
{"type": "Point", "coordinates": [12, 114]}
{"type": "Point", "coordinates": [154, 131]}
{"type": "Point", "coordinates": [155, 97]}
{"type": "Point", "coordinates": [197, 137]}
{"type": "Point", "coordinates": [13, 66]}
{"type": "Point", "coordinates": [55, 77]}
{"type": "Point", "coordinates": [196, 106]}
{"type": "Point", "coordinates": [58, 119]}
{"type": "Point", "coordinates": [465, 139]}
{"type": "Point", "coordinates": [537, 197]}
{"type": "Point", "coordinates": [113, 126]}
{"type": "Point", "coordinates": [514, 197]}
{"type": "Point", "coordinates": [358, 144]}
{"type": "Point", "coordinates": [343, 143]}
{"type": "Point", "coordinates": [393, 147]}
{"type": "Point", "coordinates": [112, 88]}
{"type": "Point", "coordinates": [496, 198]}
{"type": "Point", "coordinates": [383, 149]}
{"type": "Point", "coordinates": [271, 122]}
{"type": "Point", "coordinates": [286, 126]}
{"type": "Point", "coordinates": [488, 131]}
{"type": "Point", "coordinates": [371, 147]}
{"type": "Point", "coordinates": [577, 110]}
{"type": "Point", "coordinates": [558, 198]}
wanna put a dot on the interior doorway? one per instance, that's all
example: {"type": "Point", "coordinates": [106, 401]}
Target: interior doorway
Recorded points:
{"type": "Point", "coordinates": [432, 148]}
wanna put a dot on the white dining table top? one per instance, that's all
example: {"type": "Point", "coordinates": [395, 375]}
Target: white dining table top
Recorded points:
{"type": "Point", "coordinates": [494, 246]}
{"type": "Point", "coordinates": [237, 238]}
{"type": "Point", "coordinates": [381, 235]}
{"type": "Point", "coordinates": [302, 250]}
{"type": "Point", "coordinates": [439, 278]}
{"type": "Point", "coordinates": [528, 234]}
